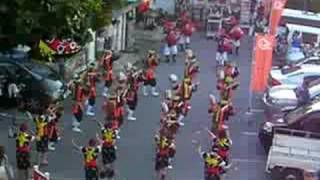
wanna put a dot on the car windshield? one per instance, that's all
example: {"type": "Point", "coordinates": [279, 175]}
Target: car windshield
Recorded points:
{"type": "Point", "coordinates": [42, 70]}
{"type": "Point", "coordinates": [290, 69]}
{"type": "Point", "coordinates": [296, 114]}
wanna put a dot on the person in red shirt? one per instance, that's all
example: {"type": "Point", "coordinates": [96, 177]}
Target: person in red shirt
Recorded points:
{"type": "Point", "coordinates": [77, 111]}
{"type": "Point", "coordinates": [92, 75]}
{"type": "Point", "coordinates": [91, 101]}
{"type": "Point", "coordinates": [23, 149]}
{"type": "Point", "coordinates": [132, 94]}
{"type": "Point", "coordinates": [187, 33]}
{"type": "Point", "coordinates": [236, 34]}
{"type": "Point", "coordinates": [171, 46]}
{"type": "Point", "coordinates": [149, 75]}
{"type": "Point", "coordinates": [90, 153]}
{"type": "Point", "coordinates": [107, 64]}
{"type": "Point", "coordinates": [55, 112]}
{"type": "Point", "coordinates": [77, 89]}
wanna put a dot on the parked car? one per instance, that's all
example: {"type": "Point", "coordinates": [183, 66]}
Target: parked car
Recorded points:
{"type": "Point", "coordinates": [305, 118]}
{"type": "Point", "coordinates": [313, 60]}
{"type": "Point", "coordinates": [293, 75]}
{"type": "Point", "coordinates": [284, 97]}
{"type": "Point", "coordinates": [40, 85]}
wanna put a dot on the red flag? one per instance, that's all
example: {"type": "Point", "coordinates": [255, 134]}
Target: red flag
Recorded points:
{"type": "Point", "coordinates": [262, 62]}
{"type": "Point", "coordinates": [276, 13]}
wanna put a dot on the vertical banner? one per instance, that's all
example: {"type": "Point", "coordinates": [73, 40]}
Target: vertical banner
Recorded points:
{"type": "Point", "coordinates": [276, 13]}
{"type": "Point", "coordinates": [262, 62]}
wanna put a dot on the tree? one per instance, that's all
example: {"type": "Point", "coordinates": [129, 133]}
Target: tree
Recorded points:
{"type": "Point", "coordinates": [28, 21]}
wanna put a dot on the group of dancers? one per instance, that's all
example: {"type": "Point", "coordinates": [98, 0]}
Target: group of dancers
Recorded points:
{"type": "Point", "coordinates": [175, 107]}
{"type": "Point", "coordinates": [217, 160]}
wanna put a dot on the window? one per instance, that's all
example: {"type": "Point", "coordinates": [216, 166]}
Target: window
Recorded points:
{"type": "Point", "coordinates": [290, 69]}
{"type": "Point", "coordinates": [315, 62]}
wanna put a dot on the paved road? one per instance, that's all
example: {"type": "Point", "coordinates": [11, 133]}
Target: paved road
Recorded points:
{"type": "Point", "coordinates": [136, 147]}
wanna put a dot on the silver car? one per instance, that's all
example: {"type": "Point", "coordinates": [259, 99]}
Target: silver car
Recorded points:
{"type": "Point", "coordinates": [293, 75]}
{"type": "Point", "coordinates": [284, 97]}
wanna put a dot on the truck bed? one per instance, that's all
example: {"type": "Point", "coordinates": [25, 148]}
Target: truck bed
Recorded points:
{"type": "Point", "coordinates": [289, 150]}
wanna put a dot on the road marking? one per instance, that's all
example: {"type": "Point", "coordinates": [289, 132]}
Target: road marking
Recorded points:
{"type": "Point", "coordinates": [257, 161]}
{"type": "Point", "coordinates": [247, 133]}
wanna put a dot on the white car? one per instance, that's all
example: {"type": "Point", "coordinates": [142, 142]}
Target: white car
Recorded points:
{"type": "Point", "coordinates": [293, 75]}
{"type": "Point", "coordinates": [285, 98]}
{"type": "Point", "coordinates": [313, 60]}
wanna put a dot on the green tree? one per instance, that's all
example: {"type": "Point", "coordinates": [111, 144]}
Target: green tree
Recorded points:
{"type": "Point", "coordinates": [28, 21]}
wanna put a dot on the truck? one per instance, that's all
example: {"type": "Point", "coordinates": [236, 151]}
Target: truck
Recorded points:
{"type": "Point", "coordinates": [294, 155]}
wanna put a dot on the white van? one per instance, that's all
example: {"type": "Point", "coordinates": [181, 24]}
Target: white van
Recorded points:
{"type": "Point", "coordinates": [306, 23]}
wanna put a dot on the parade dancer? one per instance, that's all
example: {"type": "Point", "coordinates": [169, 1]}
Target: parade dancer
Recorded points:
{"type": "Point", "coordinates": [77, 89]}
{"type": "Point", "coordinates": [162, 157]}
{"type": "Point", "coordinates": [171, 46]}
{"type": "Point", "coordinates": [172, 147]}
{"type": "Point", "coordinates": [121, 93]}
{"type": "Point", "coordinates": [134, 79]}
{"type": "Point", "coordinates": [176, 105]}
{"type": "Point", "coordinates": [77, 111]}
{"type": "Point", "coordinates": [170, 122]}
{"type": "Point", "coordinates": [92, 75]}
{"type": "Point", "coordinates": [192, 69]}
{"type": "Point", "coordinates": [109, 106]}
{"type": "Point", "coordinates": [91, 101]}
{"type": "Point", "coordinates": [90, 153]}
{"type": "Point", "coordinates": [107, 64]}
{"type": "Point", "coordinates": [149, 75]}
{"type": "Point", "coordinates": [187, 33]}
{"type": "Point", "coordinates": [236, 34]}
{"type": "Point", "coordinates": [23, 149]}
{"type": "Point", "coordinates": [224, 144]}
{"type": "Point", "coordinates": [42, 139]}
{"type": "Point", "coordinates": [55, 113]}
{"type": "Point", "coordinates": [220, 114]}
{"type": "Point", "coordinates": [108, 141]}
{"type": "Point", "coordinates": [226, 84]}
{"type": "Point", "coordinates": [214, 164]}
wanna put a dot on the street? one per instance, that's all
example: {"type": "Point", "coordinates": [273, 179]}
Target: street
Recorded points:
{"type": "Point", "coordinates": [136, 149]}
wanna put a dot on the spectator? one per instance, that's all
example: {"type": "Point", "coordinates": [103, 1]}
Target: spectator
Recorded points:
{"type": "Point", "coordinates": [6, 172]}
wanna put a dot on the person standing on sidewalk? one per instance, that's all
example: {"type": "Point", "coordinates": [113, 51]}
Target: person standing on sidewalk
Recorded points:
{"type": "Point", "coordinates": [23, 149]}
